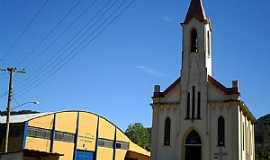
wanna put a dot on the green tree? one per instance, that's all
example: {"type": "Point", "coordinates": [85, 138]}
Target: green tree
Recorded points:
{"type": "Point", "coordinates": [140, 135]}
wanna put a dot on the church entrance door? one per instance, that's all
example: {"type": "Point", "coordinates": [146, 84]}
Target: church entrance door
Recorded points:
{"type": "Point", "coordinates": [193, 148]}
{"type": "Point", "coordinates": [193, 153]}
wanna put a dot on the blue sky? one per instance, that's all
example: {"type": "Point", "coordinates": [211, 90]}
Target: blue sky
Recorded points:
{"type": "Point", "coordinates": [113, 75]}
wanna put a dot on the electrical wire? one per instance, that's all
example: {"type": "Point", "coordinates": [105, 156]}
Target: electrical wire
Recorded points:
{"type": "Point", "coordinates": [95, 18]}
{"type": "Point", "coordinates": [25, 29]}
{"type": "Point", "coordinates": [74, 21]}
{"type": "Point", "coordinates": [74, 52]}
{"type": "Point", "coordinates": [51, 31]}
{"type": "Point", "coordinates": [64, 31]}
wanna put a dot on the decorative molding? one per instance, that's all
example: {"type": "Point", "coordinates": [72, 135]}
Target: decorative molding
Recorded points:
{"type": "Point", "coordinates": [225, 90]}
{"type": "Point", "coordinates": [225, 102]}
{"type": "Point", "coordinates": [165, 106]}
{"type": "Point", "coordinates": [166, 103]}
{"type": "Point", "coordinates": [234, 103]}
{"type": "Point", "coordinates": [166, 91]}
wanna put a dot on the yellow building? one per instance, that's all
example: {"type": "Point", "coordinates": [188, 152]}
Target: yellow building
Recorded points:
{"type": "Point", "coordinates": [78, 135]}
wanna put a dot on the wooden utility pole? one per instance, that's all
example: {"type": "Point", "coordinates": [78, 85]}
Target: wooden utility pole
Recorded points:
{"type": "Point", "coordinates": [10, 71]}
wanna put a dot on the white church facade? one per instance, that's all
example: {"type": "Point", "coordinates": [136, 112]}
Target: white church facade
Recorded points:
{"type": "Point", "coordinates": [198, 118]}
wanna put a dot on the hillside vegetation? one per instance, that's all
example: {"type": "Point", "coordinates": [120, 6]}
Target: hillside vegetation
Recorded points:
{"type": "Point", "coordinates": [262, 136]}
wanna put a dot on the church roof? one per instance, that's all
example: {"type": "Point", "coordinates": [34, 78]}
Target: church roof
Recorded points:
{"type": "Point", "coordinates": [246, 112]}
{"type": "Point", "coordinates": [217, 84]}
{"type": "Point", "coordinates": [166, 91]}
{"type": "Point", "coordinates": [225, 90]}
{"type": "Point", "coordinates": [196, 10]}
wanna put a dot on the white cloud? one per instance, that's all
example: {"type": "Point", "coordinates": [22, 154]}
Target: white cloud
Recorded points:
{"type": "Point", "coordinates": [166, 19]}
{"type": "Point", "coordinates": [150, 71]}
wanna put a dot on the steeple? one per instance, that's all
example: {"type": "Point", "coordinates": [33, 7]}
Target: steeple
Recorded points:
{"type": "Point", "coordinates": [196, 10]}
{"type": "Point", "coordinates": [196, 49]}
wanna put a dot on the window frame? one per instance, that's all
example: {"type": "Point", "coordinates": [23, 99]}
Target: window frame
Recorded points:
{"type": "Point", "coordinates": [199, 105]}
{"type": "Point", "coordinates": [167, 132]}
{"type": "Point", "coordinates": [188, 106]}
{"type": "Point", "coordinates": [221, 131]}
{"type": "Point", "coordinates": [193, 102]}
{"type": "Point", "coordinates": [194, 42]}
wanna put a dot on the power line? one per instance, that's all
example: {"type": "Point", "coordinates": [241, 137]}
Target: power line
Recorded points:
{"type": "Point", "coordinates": [73, 52]}
{"type": "Point", "coordinates": [102, 12]}
{"type": "Point", "coordinates": [65, 30]}
{"type": "Point", "coordinates": [25, 29]}
{"type": "Point", "coordinates": [89, 6]}
{"type": "Point", "coordinates": [52, 30]}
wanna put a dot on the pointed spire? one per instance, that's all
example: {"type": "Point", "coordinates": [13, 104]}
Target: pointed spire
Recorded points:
{"type": "Point", "coordinates": [196, 10]}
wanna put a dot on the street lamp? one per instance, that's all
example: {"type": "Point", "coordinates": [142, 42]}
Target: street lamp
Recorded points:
{"type": "Point", "coordinates": [8, 121]}
{"type": "Point", "coordinates": [30, 102]}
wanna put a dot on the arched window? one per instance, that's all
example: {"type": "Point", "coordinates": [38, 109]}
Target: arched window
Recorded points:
{"type": "Point", "coordinates": [167, 132]}
{"type": "Point", "coordinates": [199, 106]}
{"type": "Point", "coordinates": [193, 138]}
{"type": "Point", "coordinates": [221, 131]}
{"type": "Point", "coordinates": [193, 101]}
{"type": "Point", "coordinates": [194, 41]}
{"type": "Point", "coordinates": [188, 106]}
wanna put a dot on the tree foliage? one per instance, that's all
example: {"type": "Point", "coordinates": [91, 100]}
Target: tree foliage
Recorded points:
{"type": "Point", "coordinates": [140, 135]}
{"type": "Point", "coordinates": [262, 137]}
{"type": "Point", "coordinates": [3, 113]}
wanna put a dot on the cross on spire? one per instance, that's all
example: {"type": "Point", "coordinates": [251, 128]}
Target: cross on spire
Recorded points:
{"type": "Point", "coordinates": [196, 10]}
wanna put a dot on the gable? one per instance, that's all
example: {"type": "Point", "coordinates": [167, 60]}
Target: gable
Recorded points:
{"type": "Point", "coordinates": [221, 87]}
{"type": "Point", "coordinates": [172, 93]}
{"type": "Point", "coordinates": [218, 92]}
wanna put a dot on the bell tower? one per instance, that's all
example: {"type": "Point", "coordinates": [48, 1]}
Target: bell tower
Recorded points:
{"type": "Point", "coordinates": [196, 61]}
{"type": "Point", "coordinates": [196, 55]}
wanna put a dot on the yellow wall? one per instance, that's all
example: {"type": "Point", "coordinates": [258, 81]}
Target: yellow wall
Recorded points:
{"type": "Point", "coordinates": [37, 144]}
{"type": "Point", "coordinates": [106, 129]}
{"type": "Point", "coordinates": [120, 154]}
{"type": "Point", "coordinates": [66, 122]}
{"type": "Point", "coordinates": [120, 136]}
{"type": "Point", "coordinates": [135, 148]}
{"type": "Point", "coordinates": [45, 122]}
{"type": "Point", "coordinates": [64, 148]}
{"type": "Point", "coordinates": [104, 153]}
{"type": "Point", "coordinates": [87, 132]}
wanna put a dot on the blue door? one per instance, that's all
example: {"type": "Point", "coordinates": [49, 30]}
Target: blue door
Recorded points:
{"type": "Point", "coordinates": [84, 155]}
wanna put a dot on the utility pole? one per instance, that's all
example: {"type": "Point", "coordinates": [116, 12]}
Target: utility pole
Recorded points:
{"type": "Point", "coordinates": [10, 71]}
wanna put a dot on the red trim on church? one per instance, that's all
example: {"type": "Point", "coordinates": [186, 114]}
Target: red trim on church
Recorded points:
{"type": "Point", "coordinates": [225, 90]}
{"type": "Point", "coordinates": [162, 94]}
{"type": "Point", "coordinates": [217, 84]}
{"type": "Point", "coordinates": [172, 86]}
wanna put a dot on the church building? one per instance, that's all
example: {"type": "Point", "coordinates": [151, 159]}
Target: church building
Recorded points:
{"type": "Point", "coordinates": [197, 117]}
